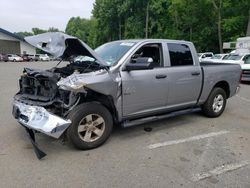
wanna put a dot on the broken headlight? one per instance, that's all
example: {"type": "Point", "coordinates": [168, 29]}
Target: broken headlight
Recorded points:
{"type": "Point", "coordinates": [72, 82]}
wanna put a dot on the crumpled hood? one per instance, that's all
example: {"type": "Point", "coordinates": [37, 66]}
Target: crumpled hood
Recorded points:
{"type": "Point", "coordinates": [100, 81]}
{"type": "Point", "coordinates": [62, 45]}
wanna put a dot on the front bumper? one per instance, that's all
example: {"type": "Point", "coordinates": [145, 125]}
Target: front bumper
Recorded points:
{"type": "Point", "coordinates": [39, 119]}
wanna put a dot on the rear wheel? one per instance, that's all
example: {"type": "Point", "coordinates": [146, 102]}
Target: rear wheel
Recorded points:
{"type": "Point", "coordinates": [216, 103]}
{"type": "Point", "coordinates": [91, 126]}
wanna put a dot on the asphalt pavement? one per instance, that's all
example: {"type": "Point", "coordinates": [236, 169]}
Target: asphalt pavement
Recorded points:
{"type": "Point", "coordinates": [185, 151]}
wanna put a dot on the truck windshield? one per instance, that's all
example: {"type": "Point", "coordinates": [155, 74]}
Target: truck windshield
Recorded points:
{"type": "Point", "coordinates": [112, 52]}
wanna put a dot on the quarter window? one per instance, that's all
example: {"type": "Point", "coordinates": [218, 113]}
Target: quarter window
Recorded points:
{"type": "Point", "coordinates": [180, 54]}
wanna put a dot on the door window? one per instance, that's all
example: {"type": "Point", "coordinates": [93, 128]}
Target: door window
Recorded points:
{"type": "Point", "coordinates": [208, 55]}
{"type": "Point", "coordinates": [247, 59]}
{"type": "Point", "coordinates": [180, 54]}
{"type": "Point", "coordinates": [153, 51]}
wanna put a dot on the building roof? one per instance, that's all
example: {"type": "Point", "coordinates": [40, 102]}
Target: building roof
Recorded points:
{"type": "Point", "coordinates": [11, 34]}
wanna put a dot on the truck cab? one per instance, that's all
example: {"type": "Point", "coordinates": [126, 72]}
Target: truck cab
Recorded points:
{"type": "Point", "coordinates": [175, 78]}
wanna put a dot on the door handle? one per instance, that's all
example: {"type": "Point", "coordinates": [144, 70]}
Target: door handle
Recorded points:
{"type": "Point", "coordinates": [161, 76]}
{"type": "Point", "coordinates": [195, 73]}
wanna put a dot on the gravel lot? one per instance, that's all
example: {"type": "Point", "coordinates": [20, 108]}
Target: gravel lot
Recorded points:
{"type": "Point", "coordinates": [185, 151]}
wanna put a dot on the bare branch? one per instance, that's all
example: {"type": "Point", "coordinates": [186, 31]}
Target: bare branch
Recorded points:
{"type": "Point", "coordinates": [214, 4]}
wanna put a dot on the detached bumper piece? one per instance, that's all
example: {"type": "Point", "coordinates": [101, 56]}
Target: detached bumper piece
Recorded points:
{"type": "Point", "coordinates": [35, 118]}
{"type": "Point", "coordinates": [39, 153]}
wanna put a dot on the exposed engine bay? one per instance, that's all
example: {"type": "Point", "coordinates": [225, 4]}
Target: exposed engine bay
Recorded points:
{"type": "Point", "coordinates": [39, 87]}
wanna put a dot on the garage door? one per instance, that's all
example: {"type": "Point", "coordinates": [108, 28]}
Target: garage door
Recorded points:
{"type": "Point", "coordinates": [9, 47]}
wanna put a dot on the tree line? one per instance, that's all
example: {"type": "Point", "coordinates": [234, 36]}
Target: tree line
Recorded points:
{"type": "Point", "coordinates": [207, 23]}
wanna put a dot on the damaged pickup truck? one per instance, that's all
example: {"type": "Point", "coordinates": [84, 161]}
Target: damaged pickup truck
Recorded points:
{"type": "Point", "coordinates": [125, 83]}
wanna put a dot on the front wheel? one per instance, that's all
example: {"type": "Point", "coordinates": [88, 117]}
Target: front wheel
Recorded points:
{"type": "Point", "coordinates": [216, 103]}
{"type": "Point", "coordinates": [91, 126]}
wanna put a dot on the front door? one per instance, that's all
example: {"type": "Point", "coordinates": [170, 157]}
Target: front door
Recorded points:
{"type": "Point", "coordinates": [145, 92]}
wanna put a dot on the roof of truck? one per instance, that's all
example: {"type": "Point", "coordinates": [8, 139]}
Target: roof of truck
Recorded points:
{"type": "Point", "coordinates": [150, 40]}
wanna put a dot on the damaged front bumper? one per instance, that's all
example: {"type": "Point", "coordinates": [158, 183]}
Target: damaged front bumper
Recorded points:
{"type": "Point", "coordinates": [39, 119]}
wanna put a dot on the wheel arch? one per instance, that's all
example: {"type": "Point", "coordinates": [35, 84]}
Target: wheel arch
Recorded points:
{"type": "Point", "coordinates": [223, 85]}
{"type": "Point", "coordinates": [106, 100]}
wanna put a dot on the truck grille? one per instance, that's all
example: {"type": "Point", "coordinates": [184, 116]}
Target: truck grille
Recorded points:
{"type": "Point", "coordinates": [41, 89]}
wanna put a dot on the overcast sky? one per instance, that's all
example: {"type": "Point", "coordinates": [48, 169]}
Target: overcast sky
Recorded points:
{"type": "Point", "coordinates": [23, 15]}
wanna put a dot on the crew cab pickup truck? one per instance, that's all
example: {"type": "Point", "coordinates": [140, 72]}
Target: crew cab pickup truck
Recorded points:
{"type": "Point", "coordinates": [125, 83]}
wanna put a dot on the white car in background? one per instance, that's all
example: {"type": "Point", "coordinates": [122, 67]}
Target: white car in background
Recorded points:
{"type": "Point", "coordinates": [14, 58]}
{"type": "Point", "coordinates": [245, 76]}
{"type": "Point", "coordinates": [43, 57]}
{"type": "Point", "coordinates": [217, 58]}
{"type": "Point", "coordinates": [205, 56]}
{"type": "Point", "coordinates": [236, 58]}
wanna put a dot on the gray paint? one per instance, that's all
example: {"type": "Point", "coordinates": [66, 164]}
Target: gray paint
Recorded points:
{"type": "Point", "coordinates": [142, 94]}
{"type": "Point", "coordinates": [55, 44]}
{"type": "Point", "coordinates": [138, 93]}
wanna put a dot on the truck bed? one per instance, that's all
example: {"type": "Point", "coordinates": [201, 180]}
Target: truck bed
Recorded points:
{"type": "Point", "coordinates": [214, 73]}
{"type": "Point", "coordinates": [205, 64]}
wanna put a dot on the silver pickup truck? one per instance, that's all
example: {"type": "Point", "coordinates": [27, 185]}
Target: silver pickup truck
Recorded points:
{"type": "Point", "coordinates": [125, 83]}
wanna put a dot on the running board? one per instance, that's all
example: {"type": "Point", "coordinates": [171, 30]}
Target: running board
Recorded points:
{"type": "Point", "coordinates": [130, 123]}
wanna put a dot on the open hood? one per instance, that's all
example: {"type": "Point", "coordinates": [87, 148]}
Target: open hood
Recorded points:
{"type": "Point", "coordinates": [62, 45]}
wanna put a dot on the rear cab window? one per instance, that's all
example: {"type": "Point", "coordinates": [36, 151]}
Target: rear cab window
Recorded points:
{"type": "Point", "coordinates": [180, 55]}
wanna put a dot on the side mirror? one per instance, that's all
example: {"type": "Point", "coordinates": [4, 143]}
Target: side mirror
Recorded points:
{"type": "Point", "coordinates": [140, 63]}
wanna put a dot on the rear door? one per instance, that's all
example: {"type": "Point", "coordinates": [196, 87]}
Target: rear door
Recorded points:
{"type": "Point", "coordinates": [184, 76]}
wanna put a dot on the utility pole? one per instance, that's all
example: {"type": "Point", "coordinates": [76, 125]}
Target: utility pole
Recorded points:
{"type": "Point", "coordinates": [120, 29]}
{"type": "Point", "coordinates": [248, 26]}
{"type": "Point", "coordinates": [147, 19]}
{"type": "Point", "coordinates": [218, 10]}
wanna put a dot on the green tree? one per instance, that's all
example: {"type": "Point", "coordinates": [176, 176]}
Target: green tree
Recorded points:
{"type": "Point", "coordinates": [24, 33]}
{"type": "Point", "coordinates": [84, 29]}
{"type": "Point", "coordinates": [37, 31]}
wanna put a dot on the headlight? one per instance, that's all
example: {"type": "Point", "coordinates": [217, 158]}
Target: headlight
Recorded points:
{"type": "Point", "coordinates": [33, 113]}
{"type": "Point", "coordinates": [40, 114]}
{"type": "Point", "coordinates": [72, 82]}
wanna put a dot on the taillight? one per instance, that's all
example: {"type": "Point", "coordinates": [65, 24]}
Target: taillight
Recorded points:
{"type": "Point", "coordinates": [241, 75]}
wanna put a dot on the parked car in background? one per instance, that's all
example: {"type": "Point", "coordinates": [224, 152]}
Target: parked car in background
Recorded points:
{"type": "Point", "coordinates": [26, 57]}
{"type": "Point", "coordinates": [217, 58]}
{"type": "Point", "coordinates": [236, 58]}
{"type": "Point", "coordinates": [1, 57]}
{"type": "Point", "coordinates": [80, 59]}
{"type": "Point", "coordinates": [5, 57]}
{"type": "Point", "coordinates": [33, 57]}
{"type": "Point", "coordinates": [55, 58]}
{"type": "Point", "coordinates": [43, 57]}
{"type": "Point", "coordinates": [14, 58]}
{"type": "Point", "coordinates": [204, 56]}
{"type": "Point", "coordinates": [245, 76]}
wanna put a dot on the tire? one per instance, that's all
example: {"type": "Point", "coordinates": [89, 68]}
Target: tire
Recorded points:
{"type": "Point", "coordinates": [216, 103]}
{"type": "Point", "coordinates": [87, 120]}
{"type": "Point", "coordinates": [14, 60]}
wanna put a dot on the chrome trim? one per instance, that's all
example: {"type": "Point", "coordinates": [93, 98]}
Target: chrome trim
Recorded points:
{"type": "Point", "coordinates": [39, 119]}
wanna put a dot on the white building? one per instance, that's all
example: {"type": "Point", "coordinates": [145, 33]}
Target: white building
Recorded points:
{"type": "Point", "coordinates": [14, 44]}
